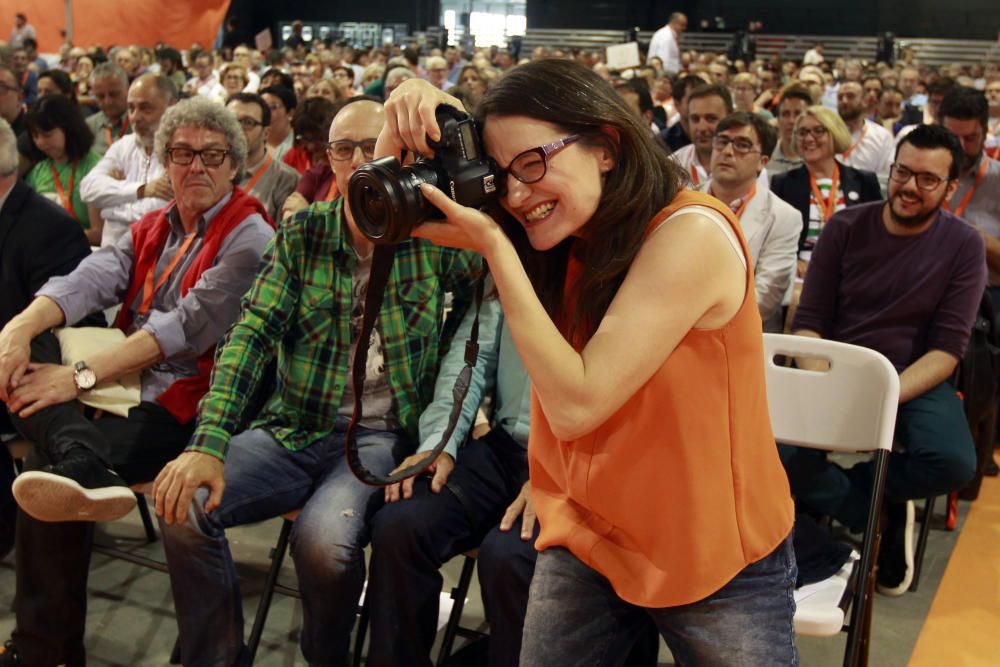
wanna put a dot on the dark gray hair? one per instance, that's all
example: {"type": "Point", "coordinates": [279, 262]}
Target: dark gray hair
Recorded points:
{"type": "Point", "coordinates": [109, 71]}
{"type": "Point", "coordinates": [205, 113]}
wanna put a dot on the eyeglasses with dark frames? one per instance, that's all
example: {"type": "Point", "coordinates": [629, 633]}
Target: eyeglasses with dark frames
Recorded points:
{"type": "Point", "coordinates": [817, 132]}
{"type": "Point", "coordinates": [740, 145]}
{"type": "Point", "coordinates": [530, 166]}
{"type": "Point", "coordinates": [924, 179]}
{"type": "Point", "coordinates": [248, 123]}
{"type": "Point", "coordinates": [210, 157]}
{"type": "Point", "coordinates": [343, 149]}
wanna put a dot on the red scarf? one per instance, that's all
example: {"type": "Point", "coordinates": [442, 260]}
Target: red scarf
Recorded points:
{"type": "Point", "coordinates": [149, 236]}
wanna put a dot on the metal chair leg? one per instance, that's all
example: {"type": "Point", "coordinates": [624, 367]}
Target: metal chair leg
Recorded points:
{"type": "Point", "coordinates": [359, 639]}
{"type": "Point", "coordinates": [277, 558]}
{"type": "Point", "coordinates": [175, 654]}
{"type": "Point", "coordinates": [147, 520]}
{"type": "Point", "coordinates": [458, 594]}
{"type": "Point", "coordinates": [918, 554]}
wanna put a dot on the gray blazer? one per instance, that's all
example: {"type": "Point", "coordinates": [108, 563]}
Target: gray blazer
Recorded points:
{"type": "Point", "coordinates": [771, 228]}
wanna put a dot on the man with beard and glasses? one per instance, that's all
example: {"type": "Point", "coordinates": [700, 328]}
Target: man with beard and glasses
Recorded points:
{"type": "Point", "coordinates": [904, 277]}
{"type": "Point", "coordinates": [965, 112]}
{"type": "Point", "coordinates": [871, 144]}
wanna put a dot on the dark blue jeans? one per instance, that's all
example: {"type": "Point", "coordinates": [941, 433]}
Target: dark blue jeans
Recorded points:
{"type": "Point", "coordinates": [575, 618]}
{"type": "Point", "coordinates": [938, 456]}
{"type": "Point", "coordinates": [265, 480]}
{"type": "Point", "coordinates": [412, 538]}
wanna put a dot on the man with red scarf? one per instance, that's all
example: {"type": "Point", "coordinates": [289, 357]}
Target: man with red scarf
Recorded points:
{"type": "Point", "coordinates": [179, 274]}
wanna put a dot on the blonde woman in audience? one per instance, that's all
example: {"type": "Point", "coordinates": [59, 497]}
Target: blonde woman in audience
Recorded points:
{"type": "Point", "coordinates": [233, 79]}
{"type": "Point", "coordinates": [473, 82]}
{"type": "Point", "coordinates": [822, 185]}
{"type": "Point", "coordinates": [327, 89]}
{"type": "Point", "coordinates": [744, 89]}
{"type": "Point", "coordinates": [371, 74]}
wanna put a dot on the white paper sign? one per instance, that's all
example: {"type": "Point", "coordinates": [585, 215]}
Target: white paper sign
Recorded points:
{"type": "Point", "coordinates": [623, 56]}
{"type": "Point", "coordinates": [262, 40]}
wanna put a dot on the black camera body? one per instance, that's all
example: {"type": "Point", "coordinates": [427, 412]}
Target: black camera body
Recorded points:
{"type": "Point", "coordinates": [385, 197]}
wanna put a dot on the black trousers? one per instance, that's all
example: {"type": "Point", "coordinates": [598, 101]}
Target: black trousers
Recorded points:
{"type": "Point", "coordinates": [412, 538]}
{"type": "Point", "coordinates": [53, 559]}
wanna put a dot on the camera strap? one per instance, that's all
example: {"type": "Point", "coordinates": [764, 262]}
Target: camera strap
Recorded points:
{"type": "Point", "coordinates": [377, 281]}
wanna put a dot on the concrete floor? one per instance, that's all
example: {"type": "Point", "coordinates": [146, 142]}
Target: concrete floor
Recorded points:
{"type": "Point", "coordinates": [131, 623]}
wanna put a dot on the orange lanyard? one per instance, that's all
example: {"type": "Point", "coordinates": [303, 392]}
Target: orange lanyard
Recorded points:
{"type": "Point", "coordinates": [864, 131]}
{"type": "Point", "coordinates": [694, 175]}
{"type": "Point", "coordinates": [121, 133]}
{"type": "Point", "coordinates": [260, 172]}
{"type": "Point", "coordinates": [971, 191]}
{"type": "Point", "coordinates": [64, 199]}
{"type": "Point", "coordinates": [829, 203]}
{"type": "Point", "coordinates": [743, 206]}
{"type": "Point", "coordinates": [149, 290]}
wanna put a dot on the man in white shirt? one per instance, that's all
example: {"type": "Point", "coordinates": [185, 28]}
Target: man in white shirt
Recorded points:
{"type": "Point", "coordinates": [741, 148]}
{"type": "Point", "coordinates": [813, 56]}
{"type": "Point", "coordinates": [129, 181]}
{"type": "Point", "coordinates": [206, 81]}
{"type": "Point", "coordinates": [872, 146]}
{"type": "Point", "coordinates": [665, 43]}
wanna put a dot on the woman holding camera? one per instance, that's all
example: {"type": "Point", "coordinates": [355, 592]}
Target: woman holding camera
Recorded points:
{"type": "Point", "coordinates": [654, 472]}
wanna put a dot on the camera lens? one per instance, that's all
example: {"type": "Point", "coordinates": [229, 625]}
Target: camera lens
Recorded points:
{"type": "Point", "coordinates": [372, 206]}
{"type": "Point", "coordinates": [385, 199]}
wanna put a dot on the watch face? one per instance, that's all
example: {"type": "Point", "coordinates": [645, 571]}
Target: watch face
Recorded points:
{"type": "Point", "coordinates": [85, 378]}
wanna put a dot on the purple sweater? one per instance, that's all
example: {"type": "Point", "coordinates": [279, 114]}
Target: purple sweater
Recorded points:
{"type": "Point", "coordinates": [899, 295]}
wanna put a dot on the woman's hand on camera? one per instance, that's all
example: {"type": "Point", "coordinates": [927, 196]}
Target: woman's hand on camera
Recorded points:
{"type": "Point", "coordinates": [409, 118]}
{"type": "Point", "coordinates": [465, 228]}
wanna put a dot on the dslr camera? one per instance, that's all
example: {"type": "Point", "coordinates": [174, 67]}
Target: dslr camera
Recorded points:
{"type": "Point", "coordinates": [385, 197]}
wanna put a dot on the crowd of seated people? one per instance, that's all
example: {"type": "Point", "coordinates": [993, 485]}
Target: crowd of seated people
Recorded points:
{"type": "Point", "coordinates": [201, 176]}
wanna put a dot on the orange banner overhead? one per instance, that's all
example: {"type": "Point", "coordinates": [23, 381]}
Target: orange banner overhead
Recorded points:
{"type": "Point", "coordinates": [179, 23]}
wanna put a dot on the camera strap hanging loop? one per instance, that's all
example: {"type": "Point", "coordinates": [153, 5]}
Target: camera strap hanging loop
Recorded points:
{"type": "Point", "coordinates": [377, 281]}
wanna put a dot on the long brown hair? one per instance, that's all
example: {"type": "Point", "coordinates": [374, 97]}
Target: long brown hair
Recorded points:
{"type": "Point", "coordinates": [643, 180]}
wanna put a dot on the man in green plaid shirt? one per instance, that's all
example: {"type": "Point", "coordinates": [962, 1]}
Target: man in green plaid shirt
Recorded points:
{"type": "Point", "coordinates": [303, 312]}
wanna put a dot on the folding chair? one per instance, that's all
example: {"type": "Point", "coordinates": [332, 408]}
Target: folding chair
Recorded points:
{"type": "Point", "coordinates": [272, 586]}
{"type": "Point", "coordinates": [459, 592]}
{"type": "Point", "coordinates": [851, 407]}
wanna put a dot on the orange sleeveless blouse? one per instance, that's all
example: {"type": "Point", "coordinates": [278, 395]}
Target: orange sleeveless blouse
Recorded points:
{"type": "Point", "coordinates": [682, 487]}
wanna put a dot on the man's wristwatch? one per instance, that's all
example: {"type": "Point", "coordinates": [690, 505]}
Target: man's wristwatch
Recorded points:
{"type": "Point", "coordinates": [83, 376]}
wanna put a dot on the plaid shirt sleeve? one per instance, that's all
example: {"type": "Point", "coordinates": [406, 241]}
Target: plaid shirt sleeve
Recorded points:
{"type": "Point", "coordinates": [249, 346]}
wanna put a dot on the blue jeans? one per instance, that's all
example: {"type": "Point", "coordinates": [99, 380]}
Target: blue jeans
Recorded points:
{"type": "Point", "coordinates": [939, 457]}
{"type": "Point", "coordinates": [576, 618]}
{"type": "Point", "coordinates": [265, 480]}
